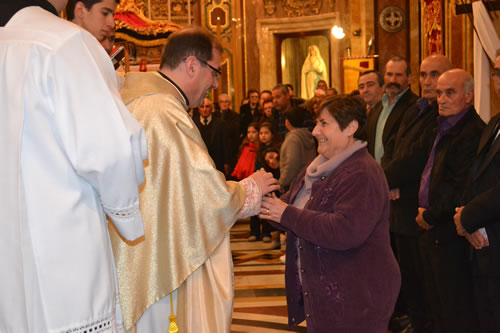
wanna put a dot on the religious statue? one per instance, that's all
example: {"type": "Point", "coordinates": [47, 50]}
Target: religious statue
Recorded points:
{"type": "Point", "coordinates": [313, 70]}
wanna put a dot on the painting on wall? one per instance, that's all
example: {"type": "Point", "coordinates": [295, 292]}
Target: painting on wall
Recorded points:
{"type": "Point", "coordinates": [304, 62]}
{"type": "Point", "coordinates": [352, 68]}
{"type": "Point", "coordinates": [432, 27]}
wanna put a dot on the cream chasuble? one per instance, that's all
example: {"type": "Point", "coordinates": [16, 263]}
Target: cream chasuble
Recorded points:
{"type": "Point", "coordinates": [188, 208]}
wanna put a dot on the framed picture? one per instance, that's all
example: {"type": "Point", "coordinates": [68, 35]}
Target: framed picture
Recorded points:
{"type": "Point", "coordinates": [304, 60]}
{"type": "Point", "coordinates": [352, 68]}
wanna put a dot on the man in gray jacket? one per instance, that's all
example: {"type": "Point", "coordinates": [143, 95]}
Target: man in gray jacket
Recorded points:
{"type": "Point", "coordinates": [298, 149]}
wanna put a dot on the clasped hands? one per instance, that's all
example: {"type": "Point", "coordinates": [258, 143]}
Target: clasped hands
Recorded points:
{"type": "Point", "coordinates": [271, 208]}
{"type": "Point", "coordinates": [476, 239]}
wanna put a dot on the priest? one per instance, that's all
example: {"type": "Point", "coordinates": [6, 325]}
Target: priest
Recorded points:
{"type": "Point", "coordinates": [187, 204]}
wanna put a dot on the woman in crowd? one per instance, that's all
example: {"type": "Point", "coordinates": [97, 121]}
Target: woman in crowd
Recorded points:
{"type": "Point", "coordinates": [341, 275]}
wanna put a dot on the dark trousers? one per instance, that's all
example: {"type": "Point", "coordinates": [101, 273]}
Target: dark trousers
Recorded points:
{"type": "Point", "coordinates": [255, 224]}
{"type": "Point", "coordinates": [413, 289]}
{"type": "Point", "coordinates": [448, 277]}
{"type": "Point", "coordinates": [487, 300]}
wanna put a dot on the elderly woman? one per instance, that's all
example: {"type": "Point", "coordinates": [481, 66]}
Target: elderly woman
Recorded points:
{"type": "Point", "coordinates": [341, 275]}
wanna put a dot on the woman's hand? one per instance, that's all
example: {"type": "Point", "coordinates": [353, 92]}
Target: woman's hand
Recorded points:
{"type": "Point", "coordinates": [272, 208]}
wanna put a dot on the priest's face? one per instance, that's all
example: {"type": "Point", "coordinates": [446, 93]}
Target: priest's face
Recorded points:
{"type": "Point", "coordinates": [208, 78]}
{"type": "Point", "coordinates": [98, 20]}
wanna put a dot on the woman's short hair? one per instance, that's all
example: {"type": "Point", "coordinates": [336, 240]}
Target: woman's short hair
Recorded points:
{"type": "Point", "coordinates": [192, 41]}
{"type": "Point", "coordinates": [344, 109]}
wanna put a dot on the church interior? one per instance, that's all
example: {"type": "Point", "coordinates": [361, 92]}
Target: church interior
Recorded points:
{"type": "Point", "coordinates": [379, 212]}
{"type": "Point", "coordinates": [265, 42]}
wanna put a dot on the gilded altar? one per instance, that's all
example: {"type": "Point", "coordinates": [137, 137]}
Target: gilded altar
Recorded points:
{"type": "Point", "coordinates": [143, 26]}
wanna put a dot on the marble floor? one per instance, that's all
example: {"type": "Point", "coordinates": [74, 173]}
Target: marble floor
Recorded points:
{"type": "Point", "coordinates": [259, 286]}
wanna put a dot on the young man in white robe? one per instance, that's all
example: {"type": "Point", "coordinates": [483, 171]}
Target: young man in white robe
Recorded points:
{"type": "Point", "coordinates": [95, 16]}
{"type": "Point", "coordinates": [71, 153]}
{"type": "Point", "coordinates": [187, 204]}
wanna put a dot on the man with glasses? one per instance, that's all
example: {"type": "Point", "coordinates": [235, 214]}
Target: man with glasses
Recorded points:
{"type": "Point", "coordinates": [479, 221]}
{"type": "Point", "coordinates": [187, 205]}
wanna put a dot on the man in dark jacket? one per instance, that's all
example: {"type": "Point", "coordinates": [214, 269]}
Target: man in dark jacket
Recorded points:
{"type": "Point", "coordinates": [249, 112]}
{"type": "Point", "coordinates": [403, 167]}
{"type": "Point", "coordinates": [384, 120]}
{"type": "Point", "coordinates": [444, 253]}
{"type": "Point", "coordinates": [479, 221]}
{"type": "Point", "coordinates": [232, 130]}
{"type": "Point", "coordinates": [371, 89]}
{"type": "Point", "coordinates": [212, 131]}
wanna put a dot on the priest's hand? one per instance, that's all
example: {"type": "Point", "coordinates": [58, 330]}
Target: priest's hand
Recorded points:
{"type": "Point", "coordinates": [265, 182]}
{"type": "Point", "coordinates": [272, 208]}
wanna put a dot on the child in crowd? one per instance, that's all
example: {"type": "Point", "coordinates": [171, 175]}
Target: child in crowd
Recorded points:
{"type": "Point", "coordinates": [268, 138]}
{"type": "Point", "coordinates": [272, 164]}
{"type": "Point", "coordinates": [248, 153]}
{"type": "Point", "coordinates": [272, 161]}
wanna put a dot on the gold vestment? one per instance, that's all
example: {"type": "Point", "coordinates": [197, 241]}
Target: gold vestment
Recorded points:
{"type": "Point", "coordinates": [187, 205]}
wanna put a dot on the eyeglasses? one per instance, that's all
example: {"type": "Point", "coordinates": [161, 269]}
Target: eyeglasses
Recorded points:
{"type": "Point", "coordinates": [216, 71]}
{"type": "Point", "coordinates": [495, 73]}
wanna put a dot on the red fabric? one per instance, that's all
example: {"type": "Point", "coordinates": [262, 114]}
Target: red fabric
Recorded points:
{"type": "Point", "coordinates": [131, 19]}
{"type": "Point", "coordinates": [246, 164]}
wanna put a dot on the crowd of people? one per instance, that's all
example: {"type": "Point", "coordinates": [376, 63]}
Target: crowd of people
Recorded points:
{"type": "Point", "coordinates": [388, 199]}
{"type": "Point", "coordinates": [437, 157]}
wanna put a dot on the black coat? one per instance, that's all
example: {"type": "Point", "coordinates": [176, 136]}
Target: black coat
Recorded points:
{"type": "Point", "coordinates": [232, 133]}
{"type": "Point", "coordinates": [453, 159]}
{"type": "Point", "coordinates": [404, 164]}
{"type": "Point", "coordinates": [9, 8]}
{"type": "Point", "coordinates": [214, 136]}
{"type": "Point", "coordinates": [391, 127]}
{"type": "Point", "coordinates": [246, 117]}
{"type": "Point", "coordinates": [482, 197]}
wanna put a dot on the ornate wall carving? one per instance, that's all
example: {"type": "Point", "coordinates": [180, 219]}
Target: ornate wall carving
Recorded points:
{"type": "Point", "coordinates": [177, 11]}
{"type": "Point", "coordinates": [294, 8]}
{"type": "Point", "coordinates": [270, 6]}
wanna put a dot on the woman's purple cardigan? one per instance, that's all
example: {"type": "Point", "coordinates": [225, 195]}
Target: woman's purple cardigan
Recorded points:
{"type": "Point", "coordinates": [350, 279]}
